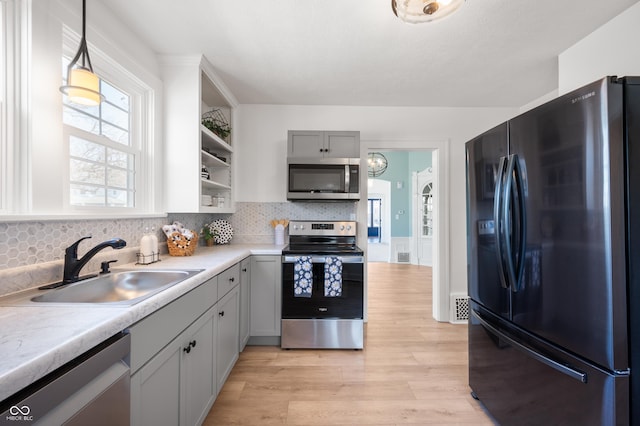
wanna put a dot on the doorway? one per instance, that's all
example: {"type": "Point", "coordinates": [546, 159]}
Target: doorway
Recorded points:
{"type": "Point", "coordinates": [379, 251]}
{"type": "Point", "coordinates": [440, 237]}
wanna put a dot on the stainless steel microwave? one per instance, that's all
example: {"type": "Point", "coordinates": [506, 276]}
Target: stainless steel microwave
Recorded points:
{"type": "Point", "coordinates": [323, 179]}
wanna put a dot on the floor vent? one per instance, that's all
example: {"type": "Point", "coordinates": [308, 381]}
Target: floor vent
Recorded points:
{"type": "Point", "coordinates": [404, 257]}
{"type": "Point", "coordinates": [459, 308]}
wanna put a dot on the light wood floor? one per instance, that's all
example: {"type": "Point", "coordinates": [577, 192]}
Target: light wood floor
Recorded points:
{"type": "Point", "coordinates": [412, 371]}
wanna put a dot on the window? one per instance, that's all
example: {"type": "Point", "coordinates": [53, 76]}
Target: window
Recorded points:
{"type": "Point", "coordinates": [108, 157]}
{"type": "Point", "coordinates": [427, 210]}
{"type": "Point", "coordinates": [60, 158]}
{"type": "Point", "coordinates": [102, 157]}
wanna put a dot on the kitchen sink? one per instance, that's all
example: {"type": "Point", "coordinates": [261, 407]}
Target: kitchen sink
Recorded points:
{"type": "Point", "coordinates": [116, 288]}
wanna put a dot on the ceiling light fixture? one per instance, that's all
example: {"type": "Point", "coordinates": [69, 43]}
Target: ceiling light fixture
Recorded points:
{"type": "Point", "coordinates": [417, 11]}
{"type": "Point", "coordinates": [83, 86]}
{"type": "Point", "coordinates": [376, 164]}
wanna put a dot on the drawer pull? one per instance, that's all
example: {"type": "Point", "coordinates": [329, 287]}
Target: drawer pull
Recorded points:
{"type": "Point", "coordinates": [232, 279]}
{"type": "Point", "coordinates": [221, 313]}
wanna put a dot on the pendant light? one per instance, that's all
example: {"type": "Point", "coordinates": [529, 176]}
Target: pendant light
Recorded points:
{"type": "Point", "coordinates": [376, 164]}
{"type": "Point", "coordinates": [83, 85]}
{"type": "Point", "coordinates": [417, 11]}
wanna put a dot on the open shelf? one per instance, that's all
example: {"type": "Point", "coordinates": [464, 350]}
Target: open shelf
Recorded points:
{"type": "Point", "coordinates": [210, 160]}
{"type": "Point", "coordinates": [213, 141]}
{"type": "Point", "coordinates": [214, 185]}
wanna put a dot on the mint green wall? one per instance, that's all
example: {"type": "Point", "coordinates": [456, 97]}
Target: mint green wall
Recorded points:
{"type": "Point", "coordinates": [401, 165]}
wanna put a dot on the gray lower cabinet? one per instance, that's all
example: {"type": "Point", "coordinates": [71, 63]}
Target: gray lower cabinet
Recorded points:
{"type": "Point", "coordinates": [227, 338]}
{"type": "Point", "coordinates": [266, 299]}
{"type": "Point", "coordinates": [199, 360]}
{"type": "Point", "coordinates": [245, 303]}
{"type": "Point", "coordinates": [178, 386]}
{"type": "Point", "coordinates": [182, 354]}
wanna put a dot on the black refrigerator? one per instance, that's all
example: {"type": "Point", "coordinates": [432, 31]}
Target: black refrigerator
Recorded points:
{"type": "Point", "coordinates": [553, 231]}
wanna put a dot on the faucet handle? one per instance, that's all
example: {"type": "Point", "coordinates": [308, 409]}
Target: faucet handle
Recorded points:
{"type": "Point", "coordinates": [104, 266]}
{"type": "Point", "coordinates": [73, 248]}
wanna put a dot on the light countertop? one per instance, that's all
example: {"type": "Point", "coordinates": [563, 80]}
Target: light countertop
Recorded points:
{"type": "Point", "coordinates": [36, 340]}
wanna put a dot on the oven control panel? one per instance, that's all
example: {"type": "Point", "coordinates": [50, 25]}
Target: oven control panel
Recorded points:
{"type": "Point", "coordinates": [328, 228]}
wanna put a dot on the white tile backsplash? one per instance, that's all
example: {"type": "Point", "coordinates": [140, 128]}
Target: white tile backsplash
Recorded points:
{"type": "Point", "coordinates": [32, 252]}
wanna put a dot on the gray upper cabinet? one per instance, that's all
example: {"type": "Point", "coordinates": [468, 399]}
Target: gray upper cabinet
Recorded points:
{"type": "Point", "coordinates": [323, 144]}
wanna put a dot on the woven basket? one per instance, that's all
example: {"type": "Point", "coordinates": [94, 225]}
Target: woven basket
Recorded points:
{"type": "Point", "coordinates": [179, 245]}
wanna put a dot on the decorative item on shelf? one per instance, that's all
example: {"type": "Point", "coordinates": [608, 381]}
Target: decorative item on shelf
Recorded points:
{"type": "Point", "coordinates": [209, 234]}
{"type": "Point", "coordinates": [376, 164]}
{"type": "Point", "coordinates": [215, 121]}
{"type": "Point", "coordinates": [180, 240]}
{"type": "Point", "coordinates": [204, 173]}
{"type": "Point", "coordinates": [206, 200]}
{"type": "Point", "coordinates": [220, 231]}
{"type": "Point", "coordinates": [279, 225]}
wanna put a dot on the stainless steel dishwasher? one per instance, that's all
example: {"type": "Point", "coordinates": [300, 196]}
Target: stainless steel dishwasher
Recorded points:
{"type": "Point", "coordinates": [93, 389]}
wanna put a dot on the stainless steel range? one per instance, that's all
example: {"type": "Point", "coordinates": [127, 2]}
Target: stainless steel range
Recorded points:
{"type": "Point", "coordinates": [322, 286]}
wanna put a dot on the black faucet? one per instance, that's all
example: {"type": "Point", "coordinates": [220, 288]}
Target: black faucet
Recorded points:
{"type": "Point", "coordinates": [73, 265]}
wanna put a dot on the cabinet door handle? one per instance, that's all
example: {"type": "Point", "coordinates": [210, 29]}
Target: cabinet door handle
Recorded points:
{"type": "Point", "coordinates": [244, 269]}
{"type": "Point", "coordinates": [192, 344]}
{"type": "Point", "coordinates": [221, 313]}
{"type": "Point", "coordinates": [232, 279]}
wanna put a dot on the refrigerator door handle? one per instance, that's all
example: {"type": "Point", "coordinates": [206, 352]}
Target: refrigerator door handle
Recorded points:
{"type": "Point", "coordinates": [507, 226]}
{"type": "Point", "coordinates": [558, 366]}
{"type": "Point", "coordinates": [497, 219]}
{"type": "Point", "coordinates": [516, 264]}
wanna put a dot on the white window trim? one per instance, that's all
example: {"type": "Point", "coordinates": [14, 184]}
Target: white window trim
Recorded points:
{"type": "Point", "coordinates": [15, 44]}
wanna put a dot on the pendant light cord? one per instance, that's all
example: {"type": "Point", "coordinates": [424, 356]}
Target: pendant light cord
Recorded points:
{"type": "Point", "coordinates": [83, 50]}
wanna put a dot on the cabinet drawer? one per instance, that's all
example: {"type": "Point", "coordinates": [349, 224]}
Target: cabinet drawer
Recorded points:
{"type": "Point", "coordinates": [228, 280]}
{"type": "Point", "coordinates": [154, 332]}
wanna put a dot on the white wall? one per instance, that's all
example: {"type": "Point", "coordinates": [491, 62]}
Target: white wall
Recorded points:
{"type": "Point", "coordinates": [610, 50]}
{"type": "Point", "coordinates": [262, 136]}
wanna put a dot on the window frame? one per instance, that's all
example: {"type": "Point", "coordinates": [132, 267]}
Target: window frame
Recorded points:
{"type": "Point", "coordinates": [14, 39]}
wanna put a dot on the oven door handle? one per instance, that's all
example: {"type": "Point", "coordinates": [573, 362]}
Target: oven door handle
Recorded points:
{"type": "Point", "coordinates": [322, 259]}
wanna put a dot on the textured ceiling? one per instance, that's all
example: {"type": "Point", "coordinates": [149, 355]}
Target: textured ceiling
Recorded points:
{"type": "Point", "coordinates": [356, 52]}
